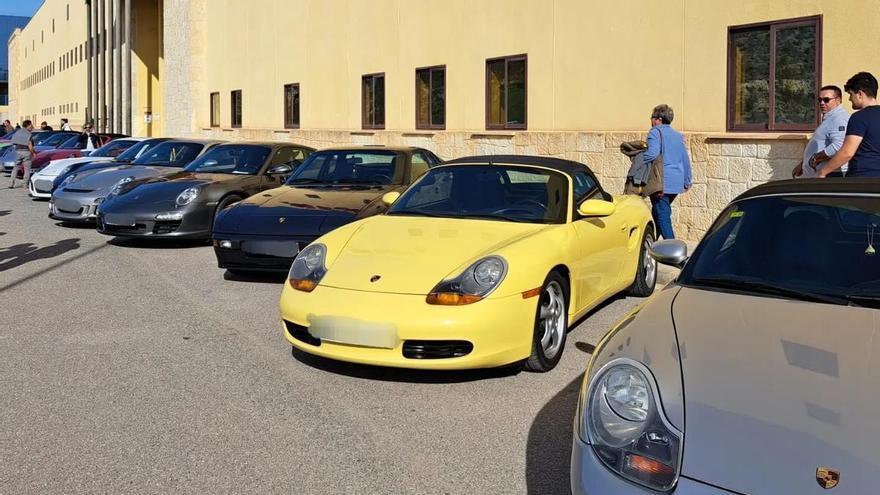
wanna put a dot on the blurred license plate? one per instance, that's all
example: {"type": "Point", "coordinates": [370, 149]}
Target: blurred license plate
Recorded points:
{"type": "Point", "coordinates": [280, 249]}
{"type": "Point", "coordinates": [354, 332]}
{"type": "Point", "coordinates": [117, 219]}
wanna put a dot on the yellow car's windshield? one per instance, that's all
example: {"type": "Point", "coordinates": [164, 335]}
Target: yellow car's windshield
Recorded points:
{"type": "Point", "coordinates": [494, 192]}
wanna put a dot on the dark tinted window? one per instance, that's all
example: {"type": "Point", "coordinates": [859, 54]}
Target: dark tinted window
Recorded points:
{"type": "Point", "coordinates": [373, 101]}
{"type": "Point", "coordinates": [231, 159]}
{"type": "Point", "coordinates": [506, 93]}
{"type": "Point", "coordinates": [137, 150]}
{"type": "Point", "coordinates": [236, 108]}
{"type": "Point", "coordinates": [170, 154]}
{"type": "Point", "coordinates": [291, 106]}
{"type": "Point", "coordinates": [114, 148]}
{"type": "Point", "coordinates": [350, 167]}
{"type": "Point", "coordinates": [508, 193]}
{"type": "Point", "coordinates": [819, 244]}
{"type": "Point", "coordinates": [431, 98]}
{"type": "Point", "coordinates": [776, 62]}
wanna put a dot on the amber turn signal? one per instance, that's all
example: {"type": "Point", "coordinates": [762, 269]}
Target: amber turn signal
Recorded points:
{"type": "Point", "coordinates": [451, 299]}
{"type": "Point", "coordinates": [303, 284]}
{"type": "Point", "coordinates": [647, 467]}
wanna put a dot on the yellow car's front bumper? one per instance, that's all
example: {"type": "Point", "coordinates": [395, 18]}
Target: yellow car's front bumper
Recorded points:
{"type": "Point", "coordinates": [375, 328]}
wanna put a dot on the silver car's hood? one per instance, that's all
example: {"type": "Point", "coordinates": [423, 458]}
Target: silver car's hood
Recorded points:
{"type": "Point", "coordinates": [775, 389]}
{"type": "Point", "coordinates": [107, 177]}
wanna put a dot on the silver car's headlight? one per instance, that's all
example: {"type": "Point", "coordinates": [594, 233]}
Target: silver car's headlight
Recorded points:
{"type": "Point", "coordinates": [187, 196]}
{"type": "Point", "coordinates": [117, 188]}
{"type": "Point", "coordinates": [626, 427]}
{"type": "Point", "coordinates": [473, 284]}
{"type": "Point", "coordinates": [308, 268]}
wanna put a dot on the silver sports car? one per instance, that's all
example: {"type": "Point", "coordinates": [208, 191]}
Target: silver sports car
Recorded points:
{"type": "Point", "coordinates": [757, 370]}
{"type": "Point", "coordinates": [78, 197]}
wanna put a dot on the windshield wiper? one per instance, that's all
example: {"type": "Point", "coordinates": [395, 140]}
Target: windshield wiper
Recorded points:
{"type": "Point", "coordinates": [308, 181]}
{"type": "Point", "coordinates": [498, 217]}
{"type": "Point", "coordinates": [422, 213]}
{"type": "Point", "coordinates": [753, 285]}
{"type": "Point", "coordinates": [358, 181]}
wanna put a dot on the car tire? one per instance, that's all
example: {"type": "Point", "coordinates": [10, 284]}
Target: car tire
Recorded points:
{"type": "Point", "coordinates": [551, 324]}
{"type": "Point", "coordinates": [646, 272]}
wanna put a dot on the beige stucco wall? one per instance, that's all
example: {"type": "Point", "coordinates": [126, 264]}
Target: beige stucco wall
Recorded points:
{"type": "Point", "coordinates": [39, 45]}
{"type": "Point", "coordinates": [592, 65]}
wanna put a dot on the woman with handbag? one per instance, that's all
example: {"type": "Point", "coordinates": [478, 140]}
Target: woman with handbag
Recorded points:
{"type": "Point", "coordinates": [670, 173]}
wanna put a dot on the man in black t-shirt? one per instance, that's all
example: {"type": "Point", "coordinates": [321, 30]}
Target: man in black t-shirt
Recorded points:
{"type": "Point", "coordinates": [862, 144]}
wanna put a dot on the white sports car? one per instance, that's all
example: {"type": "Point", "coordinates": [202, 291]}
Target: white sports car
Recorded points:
{"type": "Point", "coordinates": [41, 183]}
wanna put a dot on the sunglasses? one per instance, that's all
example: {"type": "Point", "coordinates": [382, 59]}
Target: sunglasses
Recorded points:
{"type": "Point", "coordinates": [825, 99]}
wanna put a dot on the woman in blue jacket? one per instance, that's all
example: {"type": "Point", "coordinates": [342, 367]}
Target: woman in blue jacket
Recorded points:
{"type": "Point", "coordinates": [676, 166]}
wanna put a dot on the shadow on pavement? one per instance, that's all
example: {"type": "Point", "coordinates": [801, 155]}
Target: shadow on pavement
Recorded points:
{"type": "Point", "coordinates": [255, 277]}
{"type": "Point", "coordinates": [399, 374]}
{"type": "Point", "coordinates": [20, 254]}
{"type": "Point", "coordinates": [548, 451]}
{"type": "Point", "coordinates": [148, 243]}
{"type": "Point", "coordinates": [3, 213]}
{"type": "Point", "coordinates": [52, 267]}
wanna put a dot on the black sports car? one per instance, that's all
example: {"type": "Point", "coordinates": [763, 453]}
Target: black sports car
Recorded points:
{"type": "Point", "coordinates": [331, 188]}
{"type": "Point", "coordinates": [183, 204]}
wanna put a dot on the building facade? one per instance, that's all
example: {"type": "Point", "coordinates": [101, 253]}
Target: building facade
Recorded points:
{"type": "Point", "coordinates": [8, 24]}
{"type": "Point", "coordinates": [562, 78]}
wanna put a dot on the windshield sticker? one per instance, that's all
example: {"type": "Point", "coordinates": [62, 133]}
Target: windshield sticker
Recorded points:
{"type": "Point", "coordinates": [736, 214]}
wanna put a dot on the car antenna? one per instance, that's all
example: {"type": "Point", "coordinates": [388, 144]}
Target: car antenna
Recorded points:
{"type": "Point", "coordinates": [490, 161]}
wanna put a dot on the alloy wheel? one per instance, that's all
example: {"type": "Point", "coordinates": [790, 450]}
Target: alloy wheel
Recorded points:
{"type": "Point", "coordinates": [552, 318]}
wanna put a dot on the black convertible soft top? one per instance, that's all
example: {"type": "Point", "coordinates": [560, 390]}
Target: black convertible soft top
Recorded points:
{"type": "Point", "coordinates": [835, 185]}
{"type": "Point", "coordinates": [564, 166]}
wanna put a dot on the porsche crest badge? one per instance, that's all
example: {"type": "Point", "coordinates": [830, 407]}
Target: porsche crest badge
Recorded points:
{"type": "Point", "coordinates": [375, 278]}
{"type": "Point", "coordinates": [827, 478]}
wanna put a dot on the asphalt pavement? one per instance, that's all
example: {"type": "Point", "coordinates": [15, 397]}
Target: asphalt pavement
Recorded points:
{"type": "Point", "coordinates": [141, 367]}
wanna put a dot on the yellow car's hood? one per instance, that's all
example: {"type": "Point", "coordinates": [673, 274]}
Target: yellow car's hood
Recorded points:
{"type": "Point", "coordinates": [410, 255]}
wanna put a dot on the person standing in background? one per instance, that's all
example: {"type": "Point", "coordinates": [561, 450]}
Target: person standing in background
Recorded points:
{"type": "Point", "coordinates": [24, 149]}
{"type": "Point", "coordinates": [44, 126]}
{"type": "Point", "coordinates": [828, 137]}
{"type": "Point", "coordinates": [65, 126]}
{"type": "Point", "coordinates": [861, 148]}
{"type": "Point", "coordinates": [666, 141]}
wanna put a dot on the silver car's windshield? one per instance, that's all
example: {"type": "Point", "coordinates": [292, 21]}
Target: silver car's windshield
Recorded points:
{"type": "Point", "coordinates": [171, 154]}
{"type": "Point", "coordinates": [818, 248]}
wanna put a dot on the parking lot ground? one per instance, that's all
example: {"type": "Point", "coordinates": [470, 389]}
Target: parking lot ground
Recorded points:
{"type": "Point", "coordinates": [138, 367]}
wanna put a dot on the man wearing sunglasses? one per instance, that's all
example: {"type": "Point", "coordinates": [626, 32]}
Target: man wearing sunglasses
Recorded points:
{"type": "Point", "coordinates": [828, 137]}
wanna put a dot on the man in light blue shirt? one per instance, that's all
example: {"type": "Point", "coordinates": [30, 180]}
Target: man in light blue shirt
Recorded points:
{"type": "Point", "coordinates": [828, 137]}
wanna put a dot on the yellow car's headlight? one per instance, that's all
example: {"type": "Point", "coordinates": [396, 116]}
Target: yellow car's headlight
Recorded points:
{"type": "Point", "coordinates": [308, 268]}
{"type": "Point", "coordinates": [472, 285]}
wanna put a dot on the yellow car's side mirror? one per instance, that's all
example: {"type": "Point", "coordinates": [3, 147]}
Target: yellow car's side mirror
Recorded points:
{"type": "Point", "coordinates": [390, 198]}
{"type": "Point", "coordinates": [595, 208]}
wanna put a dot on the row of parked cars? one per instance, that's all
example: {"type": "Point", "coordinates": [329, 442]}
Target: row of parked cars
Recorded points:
{"type": "Point", "coordinates": [759, 358]}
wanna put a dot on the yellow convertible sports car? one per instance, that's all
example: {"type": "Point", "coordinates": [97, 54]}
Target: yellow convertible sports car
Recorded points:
{"type": "Point", "coordinates": [484, 261]}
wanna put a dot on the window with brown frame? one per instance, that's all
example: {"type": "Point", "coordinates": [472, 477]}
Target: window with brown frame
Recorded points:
{"type": "Point", "coordinates": [236, 108]}
{"type": "Point", "coordinates": [291, 106]}
{"type": "Point", "coordinates": [431, 97]}
{"type": "Point", "coordinates": [373, 101]}
{"type": "Point", "coordinates": [773, 73]}
{"type": "Point", "coordinates": [215, 109]}
{"type": "Point", "coordinates": [506, 92]}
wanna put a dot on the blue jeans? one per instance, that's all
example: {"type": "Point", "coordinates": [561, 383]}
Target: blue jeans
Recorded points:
{"type": "Point", "coordinates": [661, 210]}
